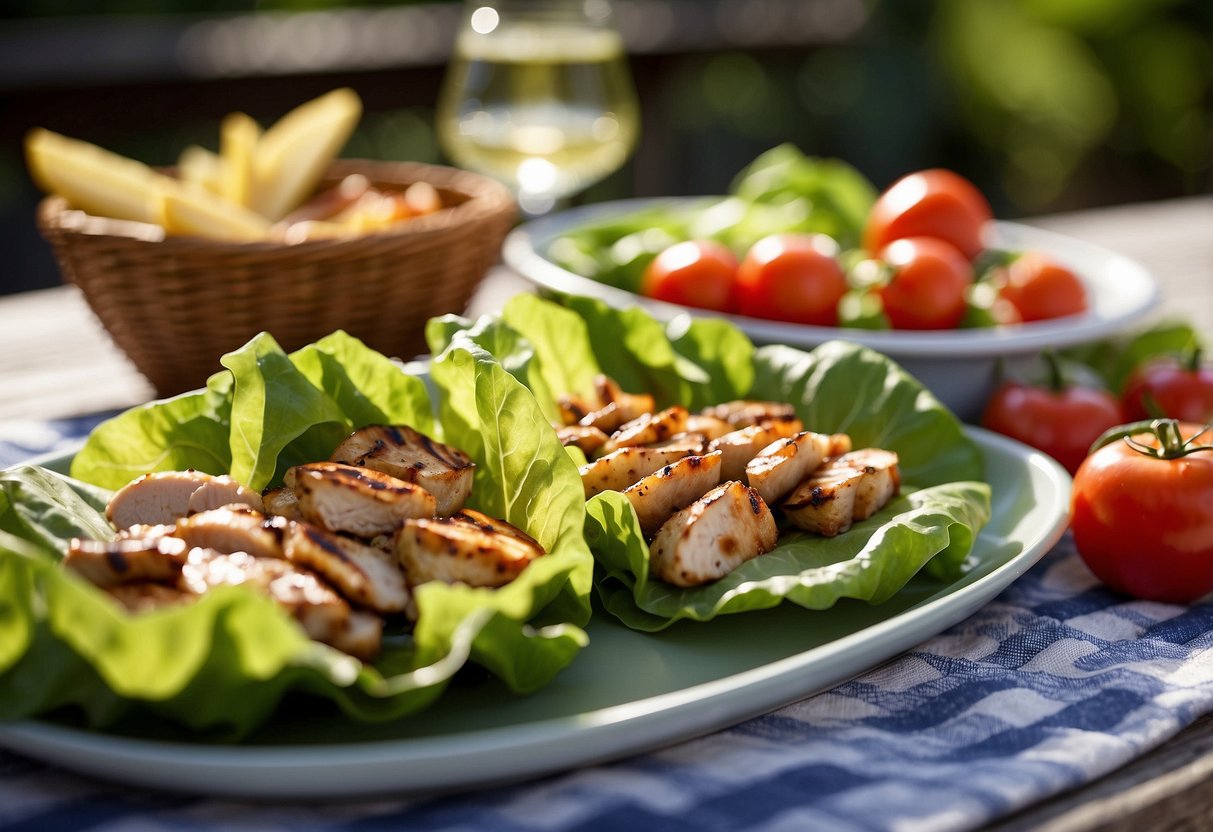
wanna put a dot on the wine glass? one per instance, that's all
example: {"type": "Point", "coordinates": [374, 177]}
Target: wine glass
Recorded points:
{"type": "Point", "coordinates": [539, 95]}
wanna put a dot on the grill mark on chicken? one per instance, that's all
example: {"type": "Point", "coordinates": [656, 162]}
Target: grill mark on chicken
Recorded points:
{"type": "Point", "coordinates": [844, 489]}
{"type": "Point", "coordinates": [624, 467]}
{"type": "Point", "coordinates": [462, 550]}
{"type": "Point", "coordinates": [742, 445]}
{"type": "Point", "coordinates": [713, 536]}
{"type": "Point", "coordinates": [647, 429]}
{"type": "Point", "coordinates": [661, 493]}
{"type": "Point", "coordinates": [361, 501]}
{"type": "Point", "coordinates": [742, 413]}
{"type": "Point", "coordinates": [364, 574]}
{"type": "Point", "coordinates": [126, 560]}
{"type": "Point", "coordinates": [231, 529]}
{"type": "Point", "coordinates": [779, 467]}
{"type": "Point", "coordinates": [409, 455]}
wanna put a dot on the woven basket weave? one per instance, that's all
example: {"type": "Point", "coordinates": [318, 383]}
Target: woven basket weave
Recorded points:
{"type": "Point", "coordinates": [174, 305]}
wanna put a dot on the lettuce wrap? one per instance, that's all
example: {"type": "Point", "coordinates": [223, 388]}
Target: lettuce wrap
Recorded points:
{"type": "Point", "coordinates": [221, 665]}
{"type": "Point", "coordinates": [557, 348]}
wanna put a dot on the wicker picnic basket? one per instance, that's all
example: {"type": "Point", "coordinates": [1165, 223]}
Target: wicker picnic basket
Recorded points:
{"type": "Point", "coordinates": [174, 305]}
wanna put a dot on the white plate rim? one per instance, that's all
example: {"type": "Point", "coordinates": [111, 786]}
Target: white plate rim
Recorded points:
{"type": "Point", "coordinates": [527, 750]}
{"type": "Point", "coordinates": [1136, 295]}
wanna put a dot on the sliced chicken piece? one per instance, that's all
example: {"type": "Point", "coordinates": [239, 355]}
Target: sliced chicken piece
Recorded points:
{"type": "Point", "coordinates": [744, 412]}
{"type": "Point", "coordinates": [608, 418]}
{"type": "Point", "coordinates": [462, 549]}
{"type": "Point", "coordinates": [881, 479]}
{"type": "Point", "coordinates": [109, 563]}
{"type": "Point", "coordinates": [742, 445]}
{"type": "Point", "coordinates": [710, 426]}
{"type": "Point", "coordinates": [362, 573]}
{"type": "Point", "coordinates": [713, 536]}
{"type": "Point", "coordinates": [618, 407]}
{"type": "Point", "coordinates": [410, 455]}
{"type": "Point", "coordinates": [589, 439]}
{"type": "Point", "coordinates": [159, 497]}
{"type": "Point", "coordinates": [632, 404]}
{"type": "Point", "coordinates": [675, 486]}
{"type": "Point", "coordinates": [647, 429]}
{"type": "Point", "coordinates": [497, 526]}
{"type": "Point", "coordinates": [147, 597]}
{"type": "Point", "coordinates": [223, 491]}
{"type": "Point", "coordinates": [851, 487]}
{"type": "Point", "coordinates": [574, 408]}
{"type": "Point", "coordinates": [693, 443]}
{"type": "Point", "coordinates": [324, 615]}
{"type": "Point", "coordinates": [361, 501]}
{"type": "Point", "coordinates": [624, 467]}
{"type": "Point", "coordinates": [230, 529]}
{"type": "Point", "coordinates": [785, 463]}
{"type": "Point", "coordinates": [281, 502]}
{"type": "Point", "coordinates": [362, 637]}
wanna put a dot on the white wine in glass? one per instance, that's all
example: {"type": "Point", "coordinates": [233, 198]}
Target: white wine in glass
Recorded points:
{"type": "Point", "coordinates": [539, 95]}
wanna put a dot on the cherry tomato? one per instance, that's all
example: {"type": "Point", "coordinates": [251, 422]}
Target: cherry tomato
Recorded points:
{"type": "Point", "coordinates": [930, 203]}
{"type": "Point", "coordinates": [1179, 388]}
{"type": "Point", "coordinates": [1059, 418]}
{"type": "Point", "coordinates": [1140, 513]}
{"type": "Point", "coordinates": [927, 288]}
{"type": "Point", "coordinates": [792, 277]}
{"type": "Point", "coordinates": [1041, 288]}
{"type": "Point", "coordinates": [699, 273]}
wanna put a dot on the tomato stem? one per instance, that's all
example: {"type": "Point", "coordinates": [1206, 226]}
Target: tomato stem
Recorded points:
{"type": "Point", "coordinates": [1192, 357]}
{"type": "Point", "coordinates": [1171, 444]}
{"type": "Point", "coordinates": [1055, 379]}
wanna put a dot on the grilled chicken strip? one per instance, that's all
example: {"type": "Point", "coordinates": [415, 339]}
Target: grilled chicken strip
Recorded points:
{"type": "Point", "coordinates": [230, 529]}
{"type": "Point", "coordinates": [742, 445]}
{"type": "Point", "coordinates": [281, 502]}
{"type": "Point", "coordinates": [647, 429]}
{"type": "Point", "coordinates": [126, 560]}
{"type": "Point", "coordinates": [466, 548]}
{"type": "Point", "coordinates": [146, 597]}
{"type": "Point", "coordinates": [223, 491]}
{"type": "Point", "coordinates": [675, 486]}
{"type": "Point", "coordinates": [692, 443]}
{"type": "Point", "coordinates": [574, 408]}
{"type": "Point", "coordinates": [410, 455]}
{"type": "Point", "coordinates": [624, 467]}
{"type": "Point", "coordinates": [618, 407]}
{"type": "Point", "coordinates": [785, 463]}
{"type": "Point", "coordinates": [163, 496]}
{"type": "Point", "coordinates": [362, 573]}
{"type": "Point", "coordinates": [324, 615]}
{"type": "Point", "coordinates": [709, 426]}
{"type": "Point", "coordinates": [851, 487]}
{"type": "Point", "coordinates": [361, 501]}
{"type": "Point", "coordinates": [713, 536]}
{"type": "Point", "coordinates": [743, 412]}
{"type": "Point", "coordinates": [632, 404]}
{"type": "Point", "coordinates": [589, 439]}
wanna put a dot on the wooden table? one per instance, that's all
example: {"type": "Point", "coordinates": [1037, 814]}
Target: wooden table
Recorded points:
{"type": "Point", "coordinates": [56, 361]}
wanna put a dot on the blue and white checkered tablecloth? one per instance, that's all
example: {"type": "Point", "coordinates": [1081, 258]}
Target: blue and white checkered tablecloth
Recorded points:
{"type": "Point", "coordinates": [1053, 684]}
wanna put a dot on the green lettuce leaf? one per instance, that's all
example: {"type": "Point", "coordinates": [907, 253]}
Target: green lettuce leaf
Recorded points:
{"type": "Point", "coordinates": [221, 665]}
{"type": "Point", "coordinates": [838, 387]}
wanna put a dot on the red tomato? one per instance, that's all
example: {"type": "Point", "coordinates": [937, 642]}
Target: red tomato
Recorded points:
{"type": "Point", "coordinates": [1142, 521]}
{"type": "Point", "coordinates": [1181, 389]}
{"type": "Point", "coordinates": [1042, 289]}
{"type": "Point", "coordinates": [927, 289]}
{"type": "Point", "coordinates": [792, 277]}
{"type": "Point", "coordinates": [1063, 420]}
{"type": "Point", "coordinates": [698, 273]}
{"type": "Point", "coordinates": [930, 203]}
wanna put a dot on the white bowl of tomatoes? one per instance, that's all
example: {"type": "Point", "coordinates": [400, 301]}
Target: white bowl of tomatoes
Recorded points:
{"type": "Point", "coordinates": [930, 279]}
